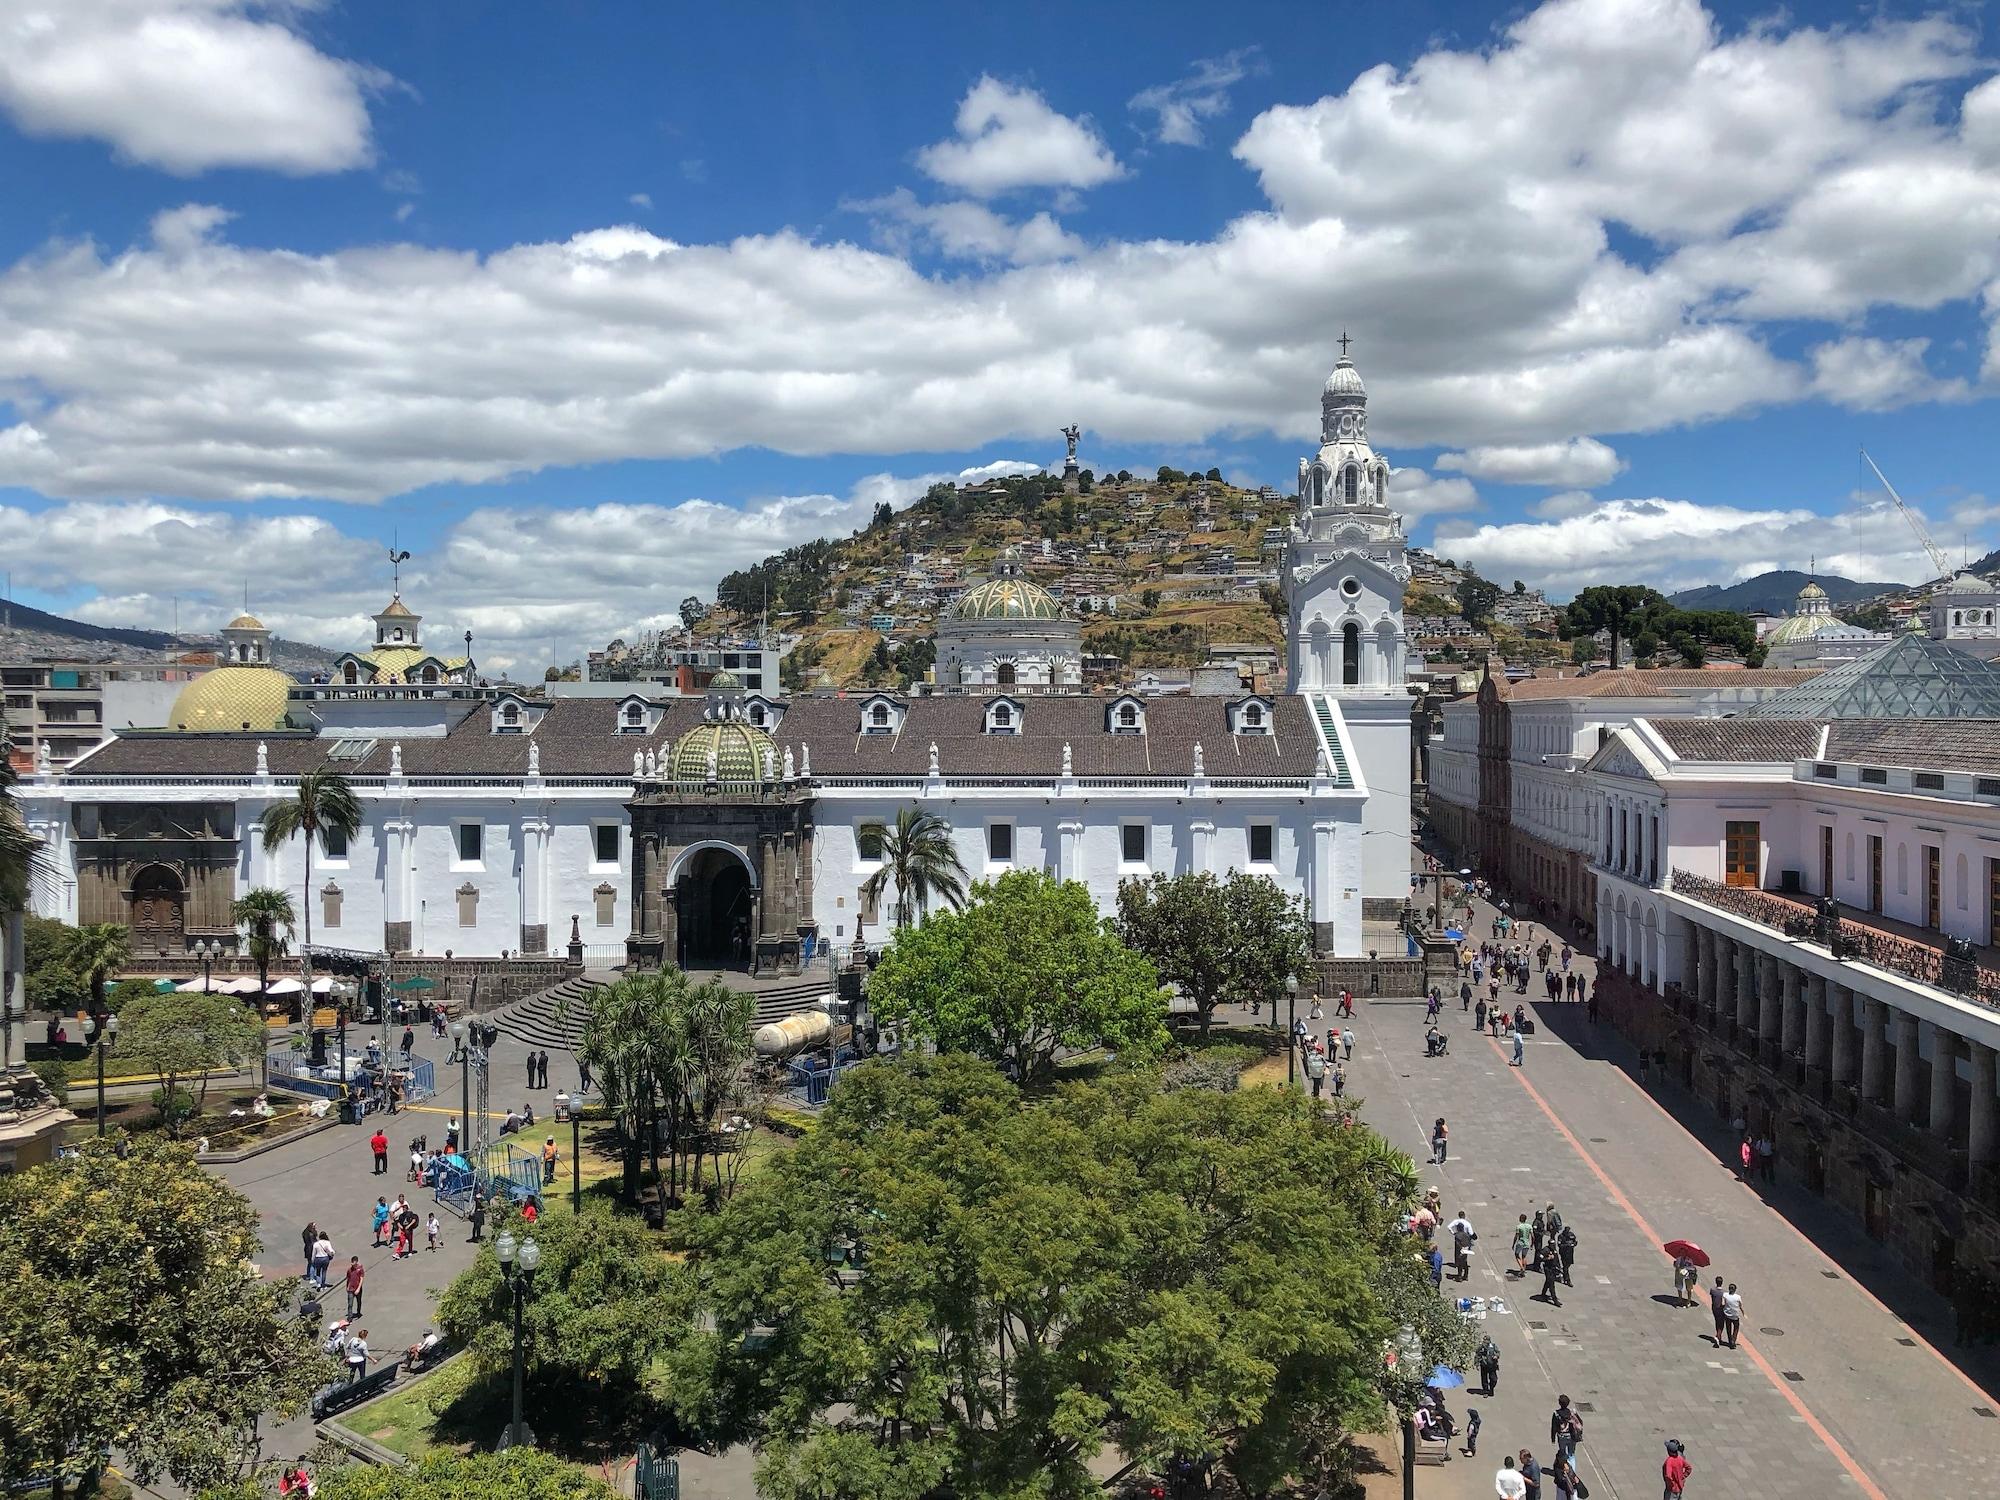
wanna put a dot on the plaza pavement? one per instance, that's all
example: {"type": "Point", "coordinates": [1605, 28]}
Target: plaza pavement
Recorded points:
{"type": "Point", "coordinates": [1831, 1392]}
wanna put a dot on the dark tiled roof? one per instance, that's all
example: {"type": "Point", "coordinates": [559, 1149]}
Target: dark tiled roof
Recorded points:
{"type": "Point", "coordinates": [577, 737]}
{"type": "Point", "coordinates": [1926, 744]}
{"type": "Point", "coordinates": [1739, 739]}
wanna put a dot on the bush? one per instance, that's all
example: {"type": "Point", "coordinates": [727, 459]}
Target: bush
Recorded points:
{"type": "Point", "coordinates": [126, 990]}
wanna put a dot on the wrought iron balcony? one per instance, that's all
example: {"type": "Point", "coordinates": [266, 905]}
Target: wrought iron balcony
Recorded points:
{"type": "Point", "coordinates": [1950, 964]}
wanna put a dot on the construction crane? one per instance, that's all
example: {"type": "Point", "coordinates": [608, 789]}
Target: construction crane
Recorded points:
{"type": "Point", "coordinates": [1938, 559]}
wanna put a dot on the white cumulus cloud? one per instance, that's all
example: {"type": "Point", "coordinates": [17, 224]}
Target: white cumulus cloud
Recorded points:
{"type": "Point", "coordinates": [1869, 374]}
{"type": "Point", "coordinates": [1179, 108]}
{"type": "Point", "coordinates": [1008, 137]}
{"type": "Point", "coordinates": [185, 85]}
{"type": "Point", "coordinates": [1580, 463]}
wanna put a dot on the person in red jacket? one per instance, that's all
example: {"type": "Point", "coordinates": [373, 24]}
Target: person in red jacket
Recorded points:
{"type": "Point", "coordinates": [379, 1144]}
{"type": "Point", "coordinates": [1675, 1471]}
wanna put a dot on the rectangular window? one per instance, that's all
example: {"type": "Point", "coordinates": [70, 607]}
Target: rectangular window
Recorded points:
{"type": "Point", "coordinates": [1132, 845]}
{"type": "Point", "coordinates": [1874, 872]}
{"type": "Point", "coordinates": [1742, 850]}
{"type": "Point", "coordinates": [334, 842]}
{"type": "Point", "coordinates": [606, 835]}
{"type": "Point", "coordinates": [1826, 772]}
{"type": "Point", "coordinates": [1933, 886]}
{"type": "Point", "coordinates": [1987, 786]}
{"type": "Point", "coordinates": [1263, 836]}
{"type": "Point", "coordinates": [868, 842]}
{"type": "Point", "coordinates": [1000, 843]}
{"type": "Point", "coordinates": [1874, 776]}
{"type": "Point", "coordinates": [1927, 781]}
{"type": "Point", "coordinates": [471, 842]}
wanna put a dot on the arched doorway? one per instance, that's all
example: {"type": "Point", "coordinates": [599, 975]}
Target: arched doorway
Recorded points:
{"type": "Point", "coordinates": [159, 911]}
{"type": "Point", "coordinates": [716, 904]}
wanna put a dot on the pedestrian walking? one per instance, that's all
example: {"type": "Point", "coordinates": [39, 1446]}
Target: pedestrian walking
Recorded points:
{"type": "Point", "coordinates": [1487, 1357]}
{"type": "Point", "coordinates": [1732, 1315]}
{"type": "Point", "coordinates": [1551, 1268]}
{"type": "Point", "coordinates": [1565, 1427]}
{"type": "Point", "coordinates": [1472, 1426]}
{"type": "Point", "coordinates": [356, 1355]}
{"type": "Point", "coordinates": [1684, 1280]}
{"type": "Point", "coordinates": [1347, 1002]}
{"type": "Point", "coordinates": [1541, 1228]}
{"type": "Point", "coordinates": [356, 1273]}
{"type": "Point", "coordinates": [1508, 1483]}
{"type": "Point", "coordinates": [1564, 1481]}
{"type": "Point", "coordinates": [433, 1232]}
{"type": "Point", "coordinates": [1436, 1260]}
{"type": "Point", "coordinates": [1479, 1016]}
{"type": "Point", "coordinates": [381, 1219]}
{"type": "Point", "coordinates": [1440, 1142]}
{"type": "Point", "coordinates": [307, 1238]}
{"type": "Point", "coordinates": [379, 1144]}
{"type": "Point", "coordinates": [1519, 1059]}
{"type": "Point", "coordinates": [1715, 1295]}
{"type": "Point", "coordinates": [1315, 1070]}
{"type": "Point", "coordinates": [1347, 1042]}
{"type": "Point", "coordinates": [1745, 1156]}
{"type": "Point", "coordinates": [1462, 1237]}
{"type": "Point", "coordinates": [1339, 1080]}
{"type": "Point", "coordinates": [1590, 1010]}
{"type": "Point", "coordinates": [1566, 1248]}
{"type": "Point", "coordinates": [478, 1217]}
{"type": "Point", "coordinates": [1675, 1470]}
{"type": "Point", "coordinates": [1531, 1475]}
{"type": "Point", "coordinates": [1767, 1158]}
{"type": "Point", "coordinates": [322, 1258]}
{"type": "Point", "coordinates": [409, 1042]}
{"type": "Point", "coordinates": [1523, 1238]}
{"type": "Point", "coordinates": [583, 1066]}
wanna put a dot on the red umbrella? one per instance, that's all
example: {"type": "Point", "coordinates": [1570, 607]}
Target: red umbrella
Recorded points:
{"type": "Point", "coordinates": [1688, 1248]}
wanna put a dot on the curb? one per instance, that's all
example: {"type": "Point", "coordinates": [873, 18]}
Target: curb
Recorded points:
{"type": "Point", "coordinates": [226, 1158]}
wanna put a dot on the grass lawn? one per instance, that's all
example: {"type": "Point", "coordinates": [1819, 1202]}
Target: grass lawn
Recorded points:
{"type": "Point", "coordinates": [406, 1420]}
{"type": "Point", "coordinates": [110, 1487]}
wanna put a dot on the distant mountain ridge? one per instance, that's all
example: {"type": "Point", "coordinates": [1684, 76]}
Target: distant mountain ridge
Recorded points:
{"type": "Point", "coordinates": [1777, 592]}
{"type": "Point", "coordinates": [27, 633]}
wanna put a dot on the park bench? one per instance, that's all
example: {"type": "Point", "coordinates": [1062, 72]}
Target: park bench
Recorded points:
{"type": "Point", "coordinates": [333, 1399]}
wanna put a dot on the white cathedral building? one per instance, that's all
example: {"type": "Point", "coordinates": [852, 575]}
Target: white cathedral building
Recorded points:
{"type": "Point", "coordinates": [741, 827]}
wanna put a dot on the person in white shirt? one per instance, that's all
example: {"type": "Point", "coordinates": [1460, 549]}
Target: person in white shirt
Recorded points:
{"type": "Point", "coordinates": [356, 1355]}
{"type": "Point", "coordinates": [1508, 1483]}
{"type": "Point", "coordinates": [1462, 1236]}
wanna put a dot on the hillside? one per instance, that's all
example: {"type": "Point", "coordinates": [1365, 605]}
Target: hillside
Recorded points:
{"type": "Point", "coordinates": [1157, 567]}
{"type": "Point", "coordinates": [28, 634]}
{"type": "Point", "coordinates": [1777, 592]}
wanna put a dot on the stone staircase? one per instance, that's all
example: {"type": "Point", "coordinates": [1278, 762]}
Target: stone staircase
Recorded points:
{"type": "Point", "coordinates": [538, 1021]}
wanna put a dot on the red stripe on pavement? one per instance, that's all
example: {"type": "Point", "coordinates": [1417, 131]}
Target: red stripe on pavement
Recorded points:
{"type": "Point", "coordinates": [1778, 1383]}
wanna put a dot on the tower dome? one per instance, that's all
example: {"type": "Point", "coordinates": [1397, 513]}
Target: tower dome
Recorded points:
{"type": "Point", "coordinates": [723, 750]}
{"type": "Point", "coordinates": [233, 698]}
{"type": "Point", "coordinates": [1345, 380]}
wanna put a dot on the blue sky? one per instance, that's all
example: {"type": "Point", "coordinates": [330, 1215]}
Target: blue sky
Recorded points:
{"type": "Point", "coordinates": [590, 309]}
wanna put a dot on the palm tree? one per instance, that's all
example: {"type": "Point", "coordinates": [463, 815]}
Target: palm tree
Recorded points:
{"type": "Point", "coordinates": [918, 859]}
{"type": "Point", "coordinates": [324, 803]}
{"type": "Point", "coordinates": [269, 916]}
{"type": "Point", "coordinates": [95, 953]}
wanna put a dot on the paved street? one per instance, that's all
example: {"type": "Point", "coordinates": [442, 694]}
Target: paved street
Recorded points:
{"type": "Point", "coordinates": [1830, 1393]}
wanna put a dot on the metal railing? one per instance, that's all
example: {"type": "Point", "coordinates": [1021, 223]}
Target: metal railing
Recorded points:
{"type": "Point", "coordinates": [1952, 968]}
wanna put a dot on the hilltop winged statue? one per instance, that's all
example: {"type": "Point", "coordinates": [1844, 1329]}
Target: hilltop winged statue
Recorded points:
{"type": "Point", "coordinates": [1070, 435]}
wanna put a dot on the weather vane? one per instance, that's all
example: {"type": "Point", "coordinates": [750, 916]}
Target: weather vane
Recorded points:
{"type": "Point", "coordinates": [396, 561]}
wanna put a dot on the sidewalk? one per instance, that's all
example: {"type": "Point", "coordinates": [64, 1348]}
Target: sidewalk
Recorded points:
{"type": "Point", "coordinates": [1830, 1393]}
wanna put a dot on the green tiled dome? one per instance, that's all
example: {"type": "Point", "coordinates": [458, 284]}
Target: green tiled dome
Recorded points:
{"type": "Point", "coordinates": [739, 752]}
{"type": "Point", "coordinates": [725, 681]}
{"type": "Point", "coordinates": [1007, 599]}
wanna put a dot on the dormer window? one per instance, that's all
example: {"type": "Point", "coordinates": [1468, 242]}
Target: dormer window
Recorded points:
{"type": "Point", "coordinates": [756, 714]}
{"type": "Point", "coordinates": [1125, 716]}
{"type": "Point", "coordinates": [1128, 717]}
{"type": "Point", "coordinates": [881, 715]}
{"type": "Point", "coordinates": [510, 717]}
{"type": "Point", "coordinates": [1253, 717]}
{"type": "Point", "coordinates": [350, 674]}
{"type": "Point", "coordinates": [1003, 716]}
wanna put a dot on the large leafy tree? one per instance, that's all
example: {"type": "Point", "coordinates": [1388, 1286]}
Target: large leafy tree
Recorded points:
{"type": "Point", "coordinates": [946, 1287]}
{"type": "Point", "coordinates": [1613, 607]}
{"type": "Point", "coordinates": [322, 802]}
{"type": "Point", "coordinates": [602, 1303]}
{"type": "Point", "coordinates": [671, 1055]}
{"type": "Point", "coordinates": [1217, 939]}
{"type": "Point", "coordinates": [1026, 969]}
{"type": "Point", "coordinates": [127, 1320]}
{"type": "Point", "coordinates": [919, 861]}
{"type": "Point", "coordinates": [96, 951]}
{"type": "Point", "coordinates": [184, 1036]}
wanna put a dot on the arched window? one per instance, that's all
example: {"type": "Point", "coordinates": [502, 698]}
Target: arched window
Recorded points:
{"type": "Point", "coordinates": [510, 715]}
{"type": "Point", "coordinates": [350, 674]}
{"type": "Point", "coordinates": [1003, 717]}
{"type": "Point", "coordinates": [396, 634]}
{"type": "Point", "coordinates": [1350, 653]}
{"type": "Point", "coordinates": [757, 714]}
{"type": "Point", "coordinates": [1128, 717]}
{"type": "Point", "coordinates": [1004, 674]}
{"type": "Point", "coordinates": [1253, 716]}
{"type": "Point", "coordinates": [879, 716]}
{"type": "Point", "coordinates": [1351, 480]}
{"type": "Point", "coordinates": [430, 674]}
{"type": "Point", "coordinates": [635, 716]}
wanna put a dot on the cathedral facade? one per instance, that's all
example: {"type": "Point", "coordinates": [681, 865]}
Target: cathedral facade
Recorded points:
{"type": "Point", "coordinates": [741, 828]}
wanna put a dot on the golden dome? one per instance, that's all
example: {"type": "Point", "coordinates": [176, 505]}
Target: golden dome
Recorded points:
{"type": "Point", "coordinates": [1811, 591]}
{"type": "Point", "coordinates": [1007, 599]}
{"type": "Point", "coordinates": [245, 622]}
{"type": "Point", "coordinates": [232, 698]}
{"type": "Point", "coordinates": [738, 750]}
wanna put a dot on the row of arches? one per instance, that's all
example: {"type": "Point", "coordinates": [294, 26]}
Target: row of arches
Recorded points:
{"type": "Point", "coordinates": [1351, 486]}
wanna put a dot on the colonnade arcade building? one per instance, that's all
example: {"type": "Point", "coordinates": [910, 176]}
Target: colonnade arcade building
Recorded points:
{"type": "Point", "coordinates": [739, 828]}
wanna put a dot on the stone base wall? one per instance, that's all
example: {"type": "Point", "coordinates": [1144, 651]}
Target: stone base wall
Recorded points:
{"type": "Point", "coordinates": [1398, 977]}
{"type": "Point", "coordinates": [1908, 1191]}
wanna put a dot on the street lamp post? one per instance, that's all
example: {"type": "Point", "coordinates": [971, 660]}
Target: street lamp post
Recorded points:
{"type": "Point", "coordinates": [464, 1083]}
{"type": "Point", "coordinates": [97, 1030]}
{"type": "Point", "coordinates": [206, 950]}
{"type": "Point", "coordinates": [1292, 1019]}
{"type": "Point", "coordinates": [575, 1157]}
{"type": "Point", "coordinates": [517, 1268]}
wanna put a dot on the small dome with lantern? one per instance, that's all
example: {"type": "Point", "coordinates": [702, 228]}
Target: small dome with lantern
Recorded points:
{"type": "Point", "coordinates": [724, 750]}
